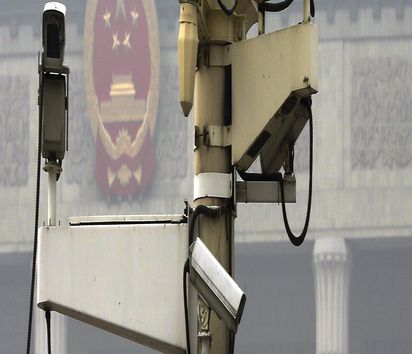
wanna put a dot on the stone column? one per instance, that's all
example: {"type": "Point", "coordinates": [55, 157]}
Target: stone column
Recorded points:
{"type": "Point", "coordinates": [331, 267]}
{"type": "Point", "coordinates": [58, 333]}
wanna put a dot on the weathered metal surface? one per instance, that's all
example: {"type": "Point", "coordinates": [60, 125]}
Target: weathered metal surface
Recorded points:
{"type": "Point", "coordinates": [126, 279]}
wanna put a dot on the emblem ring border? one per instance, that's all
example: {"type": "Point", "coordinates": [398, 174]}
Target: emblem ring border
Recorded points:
{"type": "Point", "coordinates": [149, 122]}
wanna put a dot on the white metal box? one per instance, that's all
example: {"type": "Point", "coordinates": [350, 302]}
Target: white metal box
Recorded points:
{"type": "Point", "coordinates": [121, 274]}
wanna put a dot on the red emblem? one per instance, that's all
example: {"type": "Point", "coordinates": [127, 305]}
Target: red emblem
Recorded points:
{"type": "Point", "coordinates": [122, 85]}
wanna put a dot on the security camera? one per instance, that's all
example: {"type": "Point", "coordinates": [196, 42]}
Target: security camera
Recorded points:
{"type": "Point", "coordinates": [215, 285]}
{"type": "Point", "coordinates": [54, 81]}
{"type": "Point", "coordinates": [293, 115]}
{"type": "Point", "coordinates": [54, 36]}
{"type": "Point", "coordinates": [282, 77]}
{"type": "Point", "coordinates": [54, 113]}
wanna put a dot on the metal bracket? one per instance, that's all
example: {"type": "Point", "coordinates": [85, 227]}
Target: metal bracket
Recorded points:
{"type": "Point", "coordinates": [265, 192]}
{"type": "Point", "coordinates": [216, 135]}
{"type": "Point", "coordinates": [217, 185]}
{"type": "Point", "coordinates": [52, 166]}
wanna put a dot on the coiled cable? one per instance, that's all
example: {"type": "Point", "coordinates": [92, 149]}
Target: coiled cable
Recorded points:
{"type": "Point", "coordinates": [227, 11]}
{"type": "Point", "coordinates": [298, 240]}
{"type": "Point", "coordinates": [277, 7]}
{"type": "Point", "coordinates": [280, 6]}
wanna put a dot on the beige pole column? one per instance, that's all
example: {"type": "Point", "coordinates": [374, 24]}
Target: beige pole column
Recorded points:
{"type": "Point", "coordinates": [331, 266]}
{"type": "Point", "coordinates": [216, 233]}
{"type": "Point", "coordinates": [212, 163]}
{"type": "Point", "coordinates": [58, 325]}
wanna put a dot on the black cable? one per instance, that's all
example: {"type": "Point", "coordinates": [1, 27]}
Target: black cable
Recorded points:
{"type": "Point", "coordinates": [48, 332]}
{"type": "Point", "coordinates": [227, 11]}
{"type": "Point", "coordinates": [201, 209]}
{"type": "Point", "coordinates": [312, 8]}
{"type": "Point", "coordinates": [185, 272]}
{"type": "Point", "coordinates": [298, 240]}
{"type": "Point", "coordinates": [36, 217]}
{"type": "Point", "coordinates": [280, 6]}
{"type": "Point", "coordinates": [277, 7]}
{"type": "Point", "coordinates": [232, 342]}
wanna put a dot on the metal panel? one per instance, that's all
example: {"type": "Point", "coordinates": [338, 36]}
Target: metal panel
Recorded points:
{"type": "Point", "coordinates": [126, 279]}
{"type": "Point", "coordinates": [264, 192]}
{"type": "Point", "coordinates": [274, 67]}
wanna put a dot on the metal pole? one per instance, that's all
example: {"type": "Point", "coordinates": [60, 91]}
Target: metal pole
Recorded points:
{"type": "Point", "coordinates": [216, 232]}
{"type": "Point", "coordinates": [204, 340]}
{"type": "Point", "coordinates": [51, 205]}
{"type": "Point", "coordinates": [306, 11]}
{"type": "Point", "coordinates": [58, 321]}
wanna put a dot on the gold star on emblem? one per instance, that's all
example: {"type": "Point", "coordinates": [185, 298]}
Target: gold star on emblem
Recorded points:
{"type": "Point", "coordinates": [120, 9]}
{"type": "Point", "coordinates": [106, 18]}
{"type": "Point", "coordinates": [116, 42]}
{"type": "Point", "coordinates": [135, 17]}
{"type": "Point", "coordinates": [126, 41]}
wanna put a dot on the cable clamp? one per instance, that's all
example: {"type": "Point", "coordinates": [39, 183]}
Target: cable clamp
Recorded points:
{"type": "Point", "coordinates": [217, 185]}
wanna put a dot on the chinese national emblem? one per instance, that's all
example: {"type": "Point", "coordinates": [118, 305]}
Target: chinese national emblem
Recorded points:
{"type": "Point", "coordinates": [121, 53]}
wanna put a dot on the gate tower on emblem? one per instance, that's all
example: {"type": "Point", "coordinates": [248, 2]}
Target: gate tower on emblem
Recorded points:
{"type": "Point", "coordinates": [121, 68]}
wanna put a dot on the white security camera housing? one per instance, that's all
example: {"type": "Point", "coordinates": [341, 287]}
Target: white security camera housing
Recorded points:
{"type": "Point", "coordinates": [54, 78]}
{"type": "Point", "coordinates": [215, 285]}
{"type": "Point", "coordinates": [54, 113]}
{"type": "Point", "coordinates": [54, 36]}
